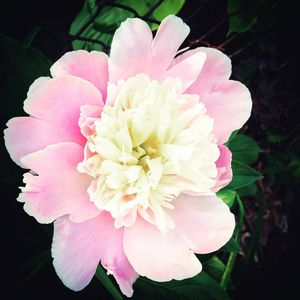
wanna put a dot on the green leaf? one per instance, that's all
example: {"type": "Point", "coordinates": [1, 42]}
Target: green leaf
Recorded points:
{"type": "Point", "coordinates": [167, 7]}
{"type": "Point", "coordinates": [32, 267]}
{"type": "Point", "coordinates": [244, 149]}
{"type": "Point", "coordinates": [110, 18]}
{"type": "Point", "coordinates": [105, 280]}
{"type": "Point", "coordinates": [243, 175]}
{"type": "Point", "coordinates": [190, 289]}
{"type": "Point", "coordinates": [32, 35]}
{"type": "Point", "coordinates": [276, 138]}
{"type": "Point", "coordinates": [214, 267]}
{"type": "Point", "coordinates": [232, 136]}
{"type": "Point", "coordinates": [228, 196]}
{"type": "Point", "coordinates": [20, 66]}
{"type": "Point", "coordinates": [231, 246]}
{"type": "Point", "coordinates": [247, 16]}
{"type": "Point", "coordinates": [249, 190]}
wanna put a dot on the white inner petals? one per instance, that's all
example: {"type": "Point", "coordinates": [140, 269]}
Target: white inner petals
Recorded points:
{"type": "Point", "coordinates": [151, 144]}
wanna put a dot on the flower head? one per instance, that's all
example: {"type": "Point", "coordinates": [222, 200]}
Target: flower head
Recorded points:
{"type": "Point", "coordinates": [126, 154]}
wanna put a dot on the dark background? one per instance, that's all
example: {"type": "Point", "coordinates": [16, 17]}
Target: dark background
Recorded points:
{"type": "Point", "coordinates": [267, 60]}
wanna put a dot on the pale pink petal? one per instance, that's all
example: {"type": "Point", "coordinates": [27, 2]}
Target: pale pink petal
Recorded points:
{"type": "Point", "coordinates": [78, 248]}
{"type": "Point", "coordinates": [228, 102]}
{"type": "Point", "coordinates": [224, 168]}
{"type": "Point", "coordinates": [88, 115]}
{"type": "Point", "coordinates": [58, 102]}
{"type": "Point", "coordinates": [157, 256]}
{"type": "Point", "coordinates": [26, 134]}
{"type": "Point", "coordinates": [91, 66]}
{"type": "Point", "coordinates": [205, 222]}
{"type": "Point", "coordinates": [59, 188]}
{"type": "Point", "coordinates": [217, 67]}
{"type": "Point", "coordinates": [130, 50]}
{"type": "Point", "coordinates": [56, 105]}
{"type": "Point", "coordinates": [187, 70]}
{"type": "Point", "coordinates": [170, 35]}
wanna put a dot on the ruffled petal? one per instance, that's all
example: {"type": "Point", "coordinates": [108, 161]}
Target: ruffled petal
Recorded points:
{"type": "Point", "coordinates": [134, 50]}
{"type": "Point", "coordinates": [170, 35]}
{"type": "Point", "coordinates": [205, 222]}
{"type": "Point", "coordinates": [228, 102]}
{"type": "Point", "coordinates": [78, 248]}
{"type": "Point", "coordinates": [130, 50]}
{"type": "Point", "coordinates": [91, 66]}
{"type": "Point", "coordinates": [224, 168]}
{"type": "Point", "coordinates": [58, 188]}
{"type": "Point", "coordinates": [54, 106]}
{"type": "Point", "coordinates": [217, 68]}
{"type": "Point", "coordinates": [157, 256]}
{"type": "Point", "coordinates": [187, 70]}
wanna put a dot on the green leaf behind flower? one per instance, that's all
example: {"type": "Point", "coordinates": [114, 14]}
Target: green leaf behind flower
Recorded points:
{"type": "Point", "coordinates": [244, 14]}
{"type": "Point", "coordinates": [228, 196]}
{"type": "Point", "coordinates": [243, 175]}
{"type": "Point", "coordinates": [231, 246]}
{"type": "Point", "coordinates": [244, 149]}
{"type": "Point", "coordinates": [105, 280]}
{"type": "Point", "coordinates": [110, 18]}
{"type": "Point", "coordinates": [202, 286]}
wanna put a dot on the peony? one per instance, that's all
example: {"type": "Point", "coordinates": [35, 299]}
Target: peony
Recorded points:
{"type": "Point", "coordinates": [126, 155]}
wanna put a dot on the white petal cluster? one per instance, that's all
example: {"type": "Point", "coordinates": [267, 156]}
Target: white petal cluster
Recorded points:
{"type": "Point", "coordinates": [151, 143]}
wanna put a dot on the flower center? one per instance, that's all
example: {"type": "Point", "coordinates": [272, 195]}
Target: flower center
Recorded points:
{"type": "Point", "coordinates": [152, 143]}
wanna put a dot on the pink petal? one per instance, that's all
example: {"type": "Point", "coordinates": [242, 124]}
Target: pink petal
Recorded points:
{"type": "Point", "coordinates": [88, 115]}
{"type": "Point", "coordinates": [205, 222]}
{"type": "Point", "coordinates": [25, 135]}
{"type": "Point", "coordinates": [58, 101]}
{"type": "Point", "coordinates": [91, 66]}
{"type": "Point", "coordinates": [187, 70]}
{"type": "Point", "coordinates": [130, 50]}
{"type": "Point", "coordinates": [224, 168]}
{"type": "Point", "coordinates": [157, 256]}
{"type": "Point", "coordinates": [170, 35]}
{"type": "Point", "coordinates": [217, 68]}
{"type": "Point", "coordinates": [55, 107]}
{"type": "Point", "coordinates": [134, 50]}
{"type": "Point", "coordinates": [227, 101]}
{"type": "Point", "coordinates": [78, 248]}
{"type": "Point", "coordinates": [59, 188]}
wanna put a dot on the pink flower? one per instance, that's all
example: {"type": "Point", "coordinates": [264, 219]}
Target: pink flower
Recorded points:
{"type": "Point", "coordinates": [126, 153]}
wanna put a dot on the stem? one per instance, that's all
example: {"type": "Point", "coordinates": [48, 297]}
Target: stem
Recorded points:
{"type": "Point", "coordinates": [241, 49]}
{"type": "Point", "coordinates": [232, 257]}
{"type": "Point", "coordinates": [125, 7]}
{"type": "Point", "coordinates": [256, 236]}
{"type": "Point", "coordinates": [86, 39]}
{"type": "Point", "coordinates": [152, 8]}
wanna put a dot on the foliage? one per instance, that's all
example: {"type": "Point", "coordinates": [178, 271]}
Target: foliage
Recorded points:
{"type": "Point", "coordinates": [109, 17]}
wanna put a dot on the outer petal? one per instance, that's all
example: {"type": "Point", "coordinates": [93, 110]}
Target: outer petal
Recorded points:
{"type": "Point", "coordinates": [224, 168]}
{"type": "Point", "coordinates": [187, 70]}
{"type": "Point", "coordinates": [217, 68]}
{"type": "Point", "coordinates": [227, 101]}
{"type": "Point", "coordinates": [59, 188]}
{"type": "Point", "coordinates": [55, 107]}
{"type": "Point", "coordinates": [205, 222]}
{"type": "Point", "coordinates": [134, 50]}
{"type": "Point", "coordinates": [78, 248]}
{"type": "Point", "coordinates": [91, 66]}
{"type": "Point", "coordinates": [130, 50]}
{"type": "Point", "coordinates": [170, 35]}
{"type": "Point", "coordinates": [157, 256]}
{"type": "Point", "coordinates": [26, 135]}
